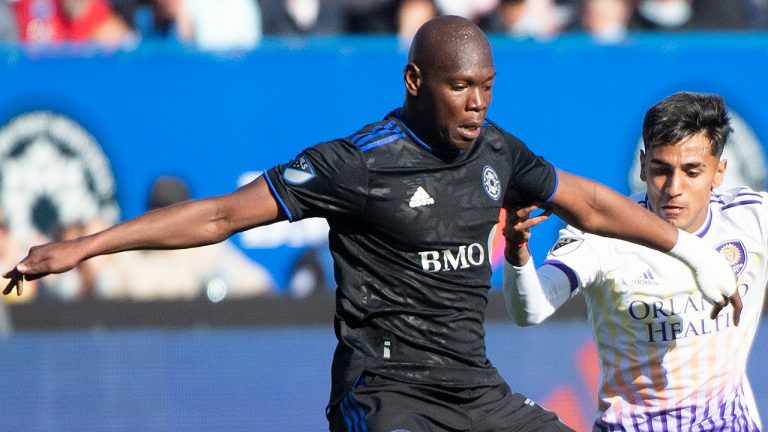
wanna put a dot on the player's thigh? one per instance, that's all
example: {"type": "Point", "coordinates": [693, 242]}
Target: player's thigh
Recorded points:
{"type": "Point", "coordinates": [499, 410]}
{"type": "Point", "coordinates": [381, 404]}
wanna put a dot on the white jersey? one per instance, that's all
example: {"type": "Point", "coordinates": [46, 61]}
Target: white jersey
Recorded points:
{"type": "Point", "coordinates": [664, 364]}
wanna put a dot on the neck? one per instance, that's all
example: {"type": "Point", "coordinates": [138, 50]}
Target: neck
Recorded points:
{"type": "Point", "coordinates": [416, 124]}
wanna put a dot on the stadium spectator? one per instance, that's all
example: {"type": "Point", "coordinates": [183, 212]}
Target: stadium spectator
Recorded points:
{"type": "Point", "coordinates": [303, 17]}
{"type": "Point", "coordinates": [665, 364]}
{"type": "Point", "coordinates": [410, 201]}
{"type": "Point", "coordinates": [8, 30]}
{"type": "Point", "coordinates": [607, 21]}
{"type": "Point", "coordinates": [55, 21]}
{"type": "Point", "coordinates": [370, 16]}
{"type": "Point", "coordinates": [472, 10]}
{"type": "Point", "coordinates": [758, 13]}
{"type": "Point", "coordinates": [685, 15]}
{"type": "Point", "coordinates": [220, 25]}
{"type": "Point", "coordinates": [411, 15]}
{"type": "Point", "coordinates": [10, 250]}
{"type": "Point", "coordinates": [218, 270]}
{"type": "Point", "coordinates": [538, 19]}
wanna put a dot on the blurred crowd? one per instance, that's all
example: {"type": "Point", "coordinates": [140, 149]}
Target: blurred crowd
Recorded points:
{"type": "Point", "coordinates": [212, 272]}
{"type": "Point", "coordinates": [221, 271]}
{"type": "Point", "coordinates": [241, 24]}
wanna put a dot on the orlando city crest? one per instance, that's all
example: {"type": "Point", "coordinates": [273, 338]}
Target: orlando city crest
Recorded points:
{"type": "Point", "coordinates": [735, 253]}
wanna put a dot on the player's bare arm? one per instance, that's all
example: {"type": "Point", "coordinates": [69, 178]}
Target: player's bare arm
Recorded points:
{"type": "Point", "coordinates": [595, 208]}
{"type": "Point", "coordinates": [190, 224]}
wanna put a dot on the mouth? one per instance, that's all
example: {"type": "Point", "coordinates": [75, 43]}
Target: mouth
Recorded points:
{"type": "Point", "coordinates": [672, 210]}
{"type": "Point", "coordinates": [470, 131]}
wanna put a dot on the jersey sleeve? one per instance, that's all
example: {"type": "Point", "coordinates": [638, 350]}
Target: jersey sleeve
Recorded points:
{"type": "Point", "coordinates": [533, 178]}
{"type": "Point", "coordinates": [326, 180]}
{"type": "Point", "coordinates": [574, 254]}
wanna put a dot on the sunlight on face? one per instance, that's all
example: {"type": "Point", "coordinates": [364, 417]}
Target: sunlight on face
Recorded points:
{"type": "Point", "coordinates": [679, 178]}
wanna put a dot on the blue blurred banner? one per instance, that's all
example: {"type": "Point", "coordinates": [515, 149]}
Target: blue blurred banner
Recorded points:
{"type": "Point", "coordinates": [218, 120]}
{"type": "Point", "coordinates": [258, 379]}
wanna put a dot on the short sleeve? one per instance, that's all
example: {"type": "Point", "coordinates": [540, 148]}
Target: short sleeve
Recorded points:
{"type": "Point", "coordinates": [326, 180]}
{"type": "Point", "coordinates": [532, 179]}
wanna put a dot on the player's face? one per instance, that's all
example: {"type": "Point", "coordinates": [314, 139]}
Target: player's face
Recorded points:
{"type": "Point", "coordinates": [457, 97]}
{"type": "Point", "coordinates": [679, 179]}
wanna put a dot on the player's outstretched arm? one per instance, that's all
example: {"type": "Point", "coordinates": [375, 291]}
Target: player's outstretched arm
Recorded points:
{"type": "Point", "coordinates": [595, 208]}
{"type": "Point", "coordinates": [189, 224]}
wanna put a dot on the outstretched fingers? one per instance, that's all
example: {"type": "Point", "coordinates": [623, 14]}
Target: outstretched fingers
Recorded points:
{"type": "Point", "coordinates": [16, 280]}
{"type": "Point", "coordinates": [737, 305]}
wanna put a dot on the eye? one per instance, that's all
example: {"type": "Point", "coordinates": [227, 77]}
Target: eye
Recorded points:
{"type": "Point", "coordinates": [693, 174]}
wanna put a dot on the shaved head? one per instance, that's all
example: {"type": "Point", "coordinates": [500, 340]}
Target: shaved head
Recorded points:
{"type": "Point", "coordinates": [449, 43]}
{"type": "Point", "coordinates": [448, 82]}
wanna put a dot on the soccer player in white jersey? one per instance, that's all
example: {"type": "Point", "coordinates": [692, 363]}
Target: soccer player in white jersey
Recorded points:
{"type": "Point", "coordinates": [667, 363]}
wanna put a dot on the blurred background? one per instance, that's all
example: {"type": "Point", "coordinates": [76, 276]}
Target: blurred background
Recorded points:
{"type": "Point", "coordinates": [112, 108]}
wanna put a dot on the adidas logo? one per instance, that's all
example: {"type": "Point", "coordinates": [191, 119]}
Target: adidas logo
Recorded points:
{"type": "Point", "coordinates": [646, 278]}
{"type": "Point", "coordinates": [420, 198]}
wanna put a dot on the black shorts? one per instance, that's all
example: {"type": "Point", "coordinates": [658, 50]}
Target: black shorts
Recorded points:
{"type": "Point", "coordinates": [379, 404]}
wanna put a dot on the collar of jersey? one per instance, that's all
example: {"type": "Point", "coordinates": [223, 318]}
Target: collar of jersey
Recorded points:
{"type": "Point", "coordinates": [420, 142]}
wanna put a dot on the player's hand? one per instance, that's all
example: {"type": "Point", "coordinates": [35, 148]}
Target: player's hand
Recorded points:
{"type": "Point", "coordinates": [735, 301]}
{"type": "Point", "coordinates": [517, 229]}
{"type": "Point", "coordinates": [41, 261]}
{"type": "Point", "coordinates": [714, 276]}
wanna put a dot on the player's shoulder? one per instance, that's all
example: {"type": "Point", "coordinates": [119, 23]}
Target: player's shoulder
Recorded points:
{"type": "Point", "coordinates": [739, 197]}
{"type": "Point", "coordinates": [377, 134]}
{"type": "Point", "coordinates": [495, 134]}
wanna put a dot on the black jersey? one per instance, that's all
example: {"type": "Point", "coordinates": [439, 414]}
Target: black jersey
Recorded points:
{"type": "Point", "coordinates": [410, 234]}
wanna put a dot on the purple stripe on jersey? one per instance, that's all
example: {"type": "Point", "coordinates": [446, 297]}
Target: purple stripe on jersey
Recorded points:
{"type": "Point", "coordinates": [693, 414]}
{"type": "Point", "coordinates": [649, 422]}
{"type": "Point", "coordinates": [279, 200]}
{"type": "Point", "coordinates": [382, 141]}
{"type": "Point", "coordinates": [707, 224]}
{"type": "Point", "coordinates": [705, 414]}
{"type": "Point", "coordinates": [664, 422]}
{"type": "Point", "coordinates": [716, 198]}
{"type": "Point", "coordinates": [724, 408]}
{"type": "Point", "coordinates": [572, 279]}
{"type": "Point", "coordinates": [739, 203]}
{"type": "Point", "coordinates": [755, 194]}
{"type": "Point", "coordinates": [378, 130]}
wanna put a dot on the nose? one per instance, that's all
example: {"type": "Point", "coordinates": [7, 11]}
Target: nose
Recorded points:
{"type": "Point", "coordinates": [674, 184]}
{"type": "Point", "coordinates": [477, 99]}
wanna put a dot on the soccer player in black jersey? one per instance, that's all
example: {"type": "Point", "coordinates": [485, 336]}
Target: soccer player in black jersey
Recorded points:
{"type": "Point", "coordinates": [412, 201]}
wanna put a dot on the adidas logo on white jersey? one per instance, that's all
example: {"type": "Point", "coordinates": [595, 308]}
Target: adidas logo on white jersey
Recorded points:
{"type": "Point", "coordinates": [646, 278]}
{"type": "Point", "coordinates": [420, 198]}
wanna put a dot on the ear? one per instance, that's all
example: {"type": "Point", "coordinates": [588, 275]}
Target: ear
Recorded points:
{"type": "Point", "coordinates": [642, 165]}
{"type": "Point", "coordinates": [412, 76]}
{"type": "Point", "coordinates": [719, 173]}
